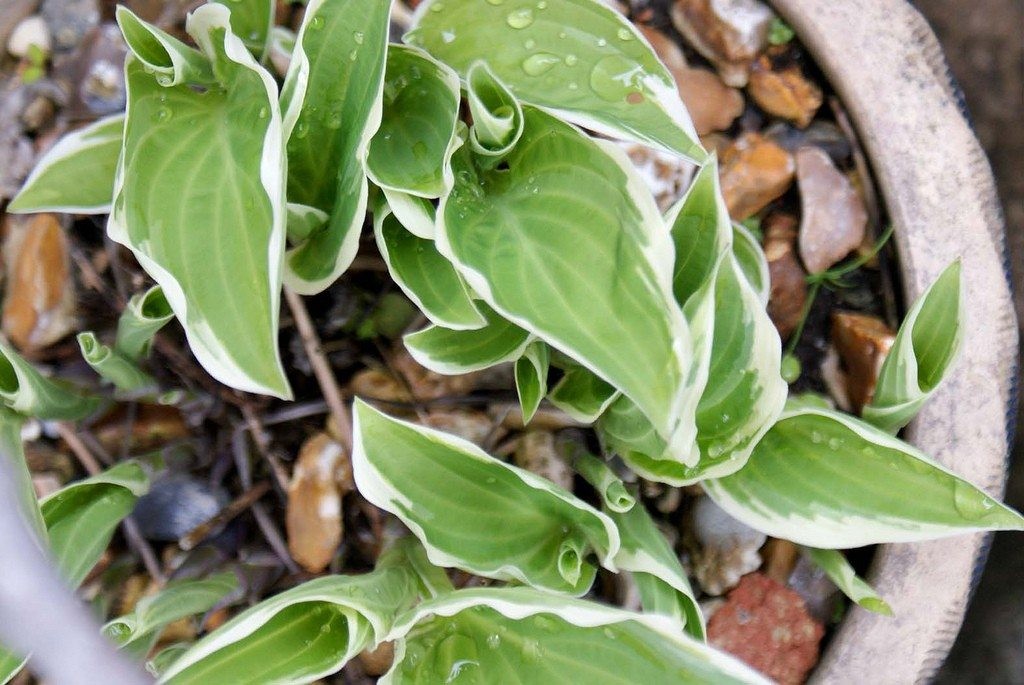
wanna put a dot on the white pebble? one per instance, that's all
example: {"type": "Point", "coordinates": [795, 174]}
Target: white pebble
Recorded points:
{"type": "Point", "coordinates": [30, 31]}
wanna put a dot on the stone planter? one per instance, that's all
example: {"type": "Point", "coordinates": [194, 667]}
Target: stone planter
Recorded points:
{"type": "Point", "coordinates": [886, 64]}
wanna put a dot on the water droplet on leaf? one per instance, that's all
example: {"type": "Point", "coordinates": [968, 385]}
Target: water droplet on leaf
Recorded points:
{"type": "Point", "coordinates": [540, 63]}
{"type": "Point", "coordinates": [520, 18]}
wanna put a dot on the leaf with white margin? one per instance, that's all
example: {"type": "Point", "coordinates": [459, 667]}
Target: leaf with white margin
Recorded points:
{"type": "Point", "coordinates": [752, 261]}
{"type": "Point", "coordinates": [412, 149]}
{"type": "Point", "coordinates": [582, 394]}
{"type": "Point", "coordinates": [579, 59]}
{"type": "Point", "coordinates": [12, 450]}
{"type": "Point", "coordinates": [303, 220]}
{"type": "Point", "coordinates": [660, 578]}
{"type": "Point", "coordinates": [114, 367]}
{"type": "Point", "coordinates": [170, 61]}
{"type": "Point", "coordinates": [301, 634]}
{"type": "Point", "coordinates": [610, 487]}
{"type": "Point", "coordinates": [160, 662]}
{"type": "Point", "coordinates": [145, 314]}
{"type": "Point", "coordinates": [497, 114]}
{"type": "Point", "coordinates": [925, 347]}
{"type": "Point", "coordinates": [81, 517]}
{"type": "Point", "coordinates": [840, 572]}
{"type": "Point", "coordinates": [415, 213]}
{"type": "Point", "coordinates": [251, 21]}
{"type": "Point", "coordinates": [425, 276]}
{"type": "Point", "coordinates": [331, 100]}
{"type": "Point", "coordinates": [567, 243]}
{"type": "Point", "coordinates": [75, 176]}
{"type": "Point", "coordinates": [200, 201]}
{"type": "Point", "coordinates": [25, 390]}
{"type": "Point", "coordinates": [531, 376]}
{"type": "Point", "coordinates": [520, 635]}
{"type": "Point", "coordinates": [824, 479]}
{"type": "Point", "coordinates": [139, 630]}
{"type": "Point", "coordinates": [452, 352]}
{"type": "Point", "coordinates": [477, 513]}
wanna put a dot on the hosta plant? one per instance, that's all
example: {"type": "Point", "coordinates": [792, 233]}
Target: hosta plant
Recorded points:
{"type": "Point", "coordinates": [482, 149]}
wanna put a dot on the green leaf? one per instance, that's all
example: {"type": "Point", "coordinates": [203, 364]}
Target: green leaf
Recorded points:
{"type": "Point", "coordinates": [12, 449]}
{"type": "Point", "coordinates": [138, 631]}
{"type": "Point", "coordinates": [25, 390]}
{"type": "Point", "coordinates": [477, 513]}
{"type": "Point", "coordinates": [304, 220]}
{"type": "Point", "coordinates": [415, 213]}
{"type": "Point", "coordinates": [75, 176]}
{"type": "Point", "coordinates": [519, 635]}
{"type": "Point", "coordinates": [925, 347]}
{"type": "Point", "coordinates": [331, 101]}
{"type": "Point", "coordinates": [114, 367]}
{"type": "Point", "coordinates": [200, 201]}
{"type": "Point", "coordinates": [300, 635]}
{"type": "Point", "coordinates": [614, 495]}
{"type": "Point", "coordinates": [531, 375]}
{"type": "Point", "coordinates": [426, 277]}
{"type": "Point", "coordinates": [582, 394]}
{"type": "Point", "coordinates": [839, 571]}
{"type": "Point", "coordinates": [145, 314]}
{"type": "Point", "coordinates": [497, 114]}
{"type": "Point", "coordinates": [566, 243]}
{"type": "Point", "coordinates": [452, 352]}
{"type": "Point", "coordinates": [660, 578]}
{"type": "Point", "coordinates": [751, 260]}
{"type": "Point", "coordinates": [824, 479]}
{"type": "Point", "coordinates": [251, 21]}
{"type": "Point", "coordinates": [411, 151]}
{"type": "Point", "coordinates": [579, 59]}
{"type": "Point", "coordinates": [170, 61]}
{"type": "Point", "coordinates": [81, 518]}
{"type": "Point", "coordinates": [163, 659]}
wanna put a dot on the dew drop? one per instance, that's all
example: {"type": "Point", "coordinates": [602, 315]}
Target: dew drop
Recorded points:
{"type": "Point", "coordinates": [448, 37]}
{"type": "Point", "coordinates": [616, 78]}
{"type": "Point", "coordinates": [532, 650]}
{"type": "Point", "coordinates": [601, 42]}
{"type": "Point", "coordinates": [316, 23]}
{"type": "Point", "coordinates": [358, 37]}
{"type": "Point", "coordinates": [262, 114]}
{"type": "Point", "coordinates": [542, 5]}
{"type": "Point", "coordinates": [437, 7]}
{"type": "Point", "coordinates": [352, 55]}
{"type": "Point", "coordinates": [301, 129]}
{"type": "Point", "coordinates": [530, 44]}
{"type": "Point", "coordinates": [520, 18]}
{"type": "Point", "coordinates": [609, 633]}
{"type": "Point", "coordinates": [969, 502]}
{"type": "Point", "coordinates": [163, 114]}
{"type": "Point", "coordinates": [495, 2]}
{"type": "Point", "coordinates": [571, 60]}
{"type": "Point", "coordinates": [817, 437]}
{"type": "Point", "coordinates": [325, 628]}
{"type": "Point", "coordinates": [573, 85]}
{"type": "Point", "coordinates": [334, 120]}
{"type": "Point", "coordinates": [834, 443]}
{"type": "Point", "coordinates": [563, 34]}
{"type": "Point", "coordinates": [494, 640]}
{"type": "Point", "coordinates": [624, 34]}
{"type": "Point", "coordinates": [539, 63]}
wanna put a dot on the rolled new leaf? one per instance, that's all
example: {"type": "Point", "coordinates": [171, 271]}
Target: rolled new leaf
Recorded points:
{"type": "Point", "coordinates": [497, 114]}
{"type": "Point", "coordinates": [451, 352]}
{"type": "Point", "coordinates": [531, 376]}
{"type": "Point", "coordinates": [425, 275]}
{"type": "Point", "coordinates": [114, 367]}
{"type": "Point", "coordinates": [411, 151]}
{"type": "Point", "coordinates": [925, 347]}
{"type": "Point", "coordinates": [75, 176]}
{"type": "Point", "coordinates": [752, 261]}
{"type": "Point", "coordinates": [171, 61]}
{"type": "Point", "coordinates": [209, 226]}
{"type": "Point", "coordinates": [579, 59]}
{"type": "Point", "coordinates": [145, 314]}
{"type": "Point", "coordinates": [25, 390]}
{"type": "Point", "coordinates": [508, 635]}
{"type": "Point", "coordinates": [824, 479]}
{"type": "Point", "coordinates": [251, 21]}
{"type": "Point", "coordinates": [331, 99]}
{"type": "Point", "coordinates": [300, 635]}
{"type": "Point", "coordinates": [138, 631]}
{"type": "Point", "coordinates": [582, 394]}
{"type": "Point", "coordinates": [610, 487]}
{"type": "Point", "coordinates": [660, 578]}
{"type": "Point", "coordinates": [840, 572]}
{"type": "Point", "coordinates": [304, 220]}
{"type": "Point", "coordinates": [474, 512]}
{"type": "Point", "coordinates": [581, 260]}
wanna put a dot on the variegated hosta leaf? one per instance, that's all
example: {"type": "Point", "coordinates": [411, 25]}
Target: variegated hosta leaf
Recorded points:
{"type": "Point", "coordinates": [114, 367]}
{"type": "Point", "coordinates": [610, 487]}
{"type": "Point", "coordinates": [304, 220]}
{"type": "Point", "coordinates": [300, 635]}
{"type": "Point", "coordinates": [331, 101]}
{"type": "Point", "coordinates": [925, 347]}
{"type": "Point", "coordinates": [453, 352]}
{"type": "Point", "coordinates": [660, 578]}
{"type": "Point", "coordinates": [75, 176]}
{"type": "Point", "coordinates": [171, 61]}
{"type": "Point", "coordinates": [415, 213]}
{"type": "Point", "coordinates": [138, 631]}
{"type": "Point", "coordinates": [520, 635]}
{"type": "Point", "coordinates": [824, 479]}
{"type": "Point", "coordinates": [531, 375]}
{"type": "Point", "coordinates": [200, 201]}
{"type": "Point", "coordinates": [251, 21]}
{"type": "Point", "coordinates": [412, 149]}
{"type": "Point", "coordinates": [12, 450]}
{"type": "Point", "coordinates": [477, 513]}
{"type": "Point", "coordinates": [582, 394]}
{"type": "Point", "coordinates": [26, 391]}
{"type": "Point", "coordinates": [81, 518]}
{"type": "Point", "coordinates": [425, 275]}
{"type": "Point", "coordinates": [839, 571]}
{"type": "Point", "coordinates": [162, 660]}
{"type": "Point", "coordinates": [145, 314]}
{"type": "Point", "coordinates": [751, 260]}
{"type": "Point", "coordinates": [580, 59]}
{"type": "Point", "coordinates": [566, 243]}
{"type": "Point", "coordinates": [497, 114]}
{"type": "Point", "coordinates": [432, 580]}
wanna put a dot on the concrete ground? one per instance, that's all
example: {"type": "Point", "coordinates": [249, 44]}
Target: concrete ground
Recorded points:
{"type": "Point", "coordinates": [984, 44]}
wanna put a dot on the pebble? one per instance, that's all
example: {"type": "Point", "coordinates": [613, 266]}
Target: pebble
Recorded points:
{"type": "Point", "coordinates": [175, 504]}
{"type": "Point", "coordinates": [667, 176]}
{"type": "Point", "coordinates": [537, 453]}
{"type": "Point", "coordinates": [70, 20]}
{"type": "Point", "coordinates": [729, 33]}
{"type": "Point", "coordinates": [783, 90]}
{"type": "Point", "coordinates": [834, 220]}
{"type": "Point", "coordinates": [29, 31]}
{"type": "Point", "coordinates": [313, 520]}
{"type": "Point", "coordinates": [468, 424]}
{"type": "Point", "coordinates": [788, 291]}
{"type": "Point", "coordinates": [862, 341]}
{"type": "Point", "coordinates": [754, 171]}
{"type": "Point", "coordinates": [728, 549]}
{"type": "Point", "coordinates": [100, 71]}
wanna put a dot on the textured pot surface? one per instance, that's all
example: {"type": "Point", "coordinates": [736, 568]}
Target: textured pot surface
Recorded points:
{"type": "Point", "coordinates": [885, 63]}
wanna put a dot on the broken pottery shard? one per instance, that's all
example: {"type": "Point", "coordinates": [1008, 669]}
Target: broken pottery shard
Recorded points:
{"type": "Point", "coordinates": [754, 171]}
{"type": "Point", "coordinates": [862, 342]}
{"type": "Point", "coordinates": [729, 33]}
{"type": "Point", "coordinates": [783, 90]}
{"type": "Point", "coordinates": [728, 548]}
{"type": "Point", "coordinates": [313, 518]}
{"type": "Point", "coordinates": [537, 453]}
{"type": "Point", "coordinates": [788, 291]}
{"type": "Point", "coordinates": [834, 220]}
